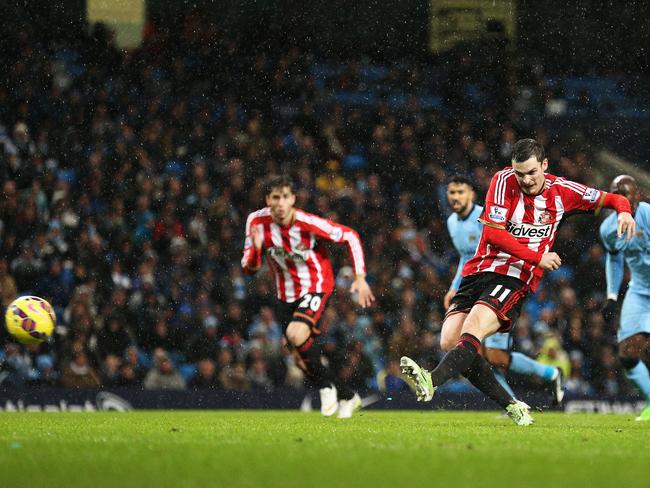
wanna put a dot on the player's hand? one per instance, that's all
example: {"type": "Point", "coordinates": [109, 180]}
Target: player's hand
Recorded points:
{"type": "Point", "coordinates": [361, 287]}
{"type": "Point", "coordinates": [609, 310]}
{"type": "Point", "coordinates": [550, 261]}
{"type": "Point", "coordinates": [257, 237]}
{"type": "Point", "coordinates": [626, 225]}
{"type": "Point", "coordinates": [448, 297]}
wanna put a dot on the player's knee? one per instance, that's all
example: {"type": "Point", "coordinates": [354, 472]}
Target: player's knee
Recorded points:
{"type": "Point", "coordinates": [497, 357]}
{"type": "Point", "coordinates": [630, 349]}
{"type": "Point", "coordinates": [628, 362]}
{"type": "Point", "coordinates": [297, 333]}
{"type": "Point", "coordinates": [448, 343]}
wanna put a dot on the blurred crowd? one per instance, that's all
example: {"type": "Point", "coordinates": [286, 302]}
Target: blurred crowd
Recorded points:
{"type": "Point", "coordinates": [127, 178]}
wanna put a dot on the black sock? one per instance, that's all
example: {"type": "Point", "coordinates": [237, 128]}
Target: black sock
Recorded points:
{"type": "Point", "coordinates": [481, 375]}
{"type": "Point", "coordinates": [319, 374]}
{"type": "Point", "coordinates": [343, 391]}
{"type": "Point", "coordinates": [457, 360]}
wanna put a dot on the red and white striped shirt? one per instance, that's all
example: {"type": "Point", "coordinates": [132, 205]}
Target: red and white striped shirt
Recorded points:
{"type": "Point", "coordinates": [297, 254]}
{"type": "Point", "coordinates": [532, 220]}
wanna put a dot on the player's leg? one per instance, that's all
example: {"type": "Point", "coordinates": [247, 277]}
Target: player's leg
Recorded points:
{"type": "Point", "coordinates": [335, 395]}
{"type": "Point", "coordinates": [633, 344]}
{"type": "Point", "coordinates": [493, 353]}
{"type": "Point", "coordinates": [479, 323]}
{"type": "Point", "coordinates": [495, 310]}
{"type": "Point", "coordinates": [631, 351]}
{"type": "Point", "coordinates": [300, 338]}
{"type": "Point", "coordinates": [458, 359]}
{"type": "Point", "coordinates": [451, 329]}
{"type": "Point", "coordinates": [496, 353]}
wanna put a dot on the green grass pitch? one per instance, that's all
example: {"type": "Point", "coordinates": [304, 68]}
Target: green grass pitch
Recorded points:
{"type": "Point", "coordinates": [286, 449]}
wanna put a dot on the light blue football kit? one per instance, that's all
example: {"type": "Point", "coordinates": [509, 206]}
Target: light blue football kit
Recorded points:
{"type": "Point", "coordinates": [465, 234]}
{"type": "Point", "coordinates": [635, 312]}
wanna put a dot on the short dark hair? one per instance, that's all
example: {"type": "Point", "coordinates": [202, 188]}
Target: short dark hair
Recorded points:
{"type": "Point", "coordinates": [460, 180]}
{"type": "Point", "coordinates": [525, 149]}
{"type": "Point", "coordinates": [275, 182]}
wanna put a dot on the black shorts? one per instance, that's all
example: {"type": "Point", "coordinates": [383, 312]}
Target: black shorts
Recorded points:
{"type": "Point", "coordinates": [503, 294]}
{"type": "Point", "coordinates": [308, 309]}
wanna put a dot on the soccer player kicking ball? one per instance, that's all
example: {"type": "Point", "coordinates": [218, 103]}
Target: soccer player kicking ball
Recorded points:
{"type": "Point", "coordinates": [465, 230]}
{"type": "Point", "coordinates": [294, 241]}
{"type": "Point", "coordinates": [634, 328]}
{"type": "Point", "coordinates": [523, 209]}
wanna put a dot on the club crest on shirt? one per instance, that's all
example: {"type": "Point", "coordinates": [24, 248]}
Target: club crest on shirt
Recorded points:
{"type": "Point", "coordinates": [544, 218]}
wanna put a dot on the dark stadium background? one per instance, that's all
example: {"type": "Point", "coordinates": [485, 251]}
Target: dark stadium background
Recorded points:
{"type": "Point", "coordinates": [126, 178]}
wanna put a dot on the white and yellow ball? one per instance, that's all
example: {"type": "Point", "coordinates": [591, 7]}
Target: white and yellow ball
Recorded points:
{"type": "Point", "coordinates": [30, 320]}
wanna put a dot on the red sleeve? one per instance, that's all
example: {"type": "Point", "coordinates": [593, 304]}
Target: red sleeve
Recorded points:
{"type": "Point", "coordinates": [498, 200]}
{"type": "Point", "coordinates": [502, 239]}
{"type": "Point", "coordinates": [335, 232]}
{"type": "Point", "coordinates": [617, 202]}
{"type": "Point", "coordinates": [252, 257]}
{"type": "Point", "coordinates": [577, 196]}
{"type": "Point", "coordinates": [253, 261]}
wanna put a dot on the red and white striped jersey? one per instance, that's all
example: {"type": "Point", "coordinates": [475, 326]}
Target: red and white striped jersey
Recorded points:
{"type": "Point", "coordinates": [532, 220]}
{"type": "Point", "coordinates": [297, 254]}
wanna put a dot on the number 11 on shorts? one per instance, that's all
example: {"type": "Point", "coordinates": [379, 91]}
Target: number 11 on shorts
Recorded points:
{"type": "Point", "coordinates": [504, 292]}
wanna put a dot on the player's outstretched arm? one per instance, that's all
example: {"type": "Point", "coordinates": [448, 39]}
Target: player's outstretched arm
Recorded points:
{"type": "Point", "coordinates": [626, 225]}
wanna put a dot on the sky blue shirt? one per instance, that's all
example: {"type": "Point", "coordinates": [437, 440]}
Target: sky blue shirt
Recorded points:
{"type": "Point", "coordinates": [465, 234]}
{"type": "Point", "coordinates": [634, 252]}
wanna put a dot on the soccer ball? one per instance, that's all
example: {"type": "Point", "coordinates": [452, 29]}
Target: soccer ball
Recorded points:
{"type": "Point", "coordinates": [30, 320]}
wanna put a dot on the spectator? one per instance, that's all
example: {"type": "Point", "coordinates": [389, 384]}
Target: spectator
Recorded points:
{"type": "Point", "coordinates": [234, 378]}
{"type": "Point", "coordinates": [204, 344]}
{"type": "Point", "coordinates": [258, 376]}
{"type": "Point", "coordinates": [79, 374]}
{"type": "Point", "coordinates": [111, 370]}
{"type": "Point", "coordinates": [15, 367]}
{"type": "Point", "coordinates": [8, 289]}
{"type": "Point", "coordinates": [205, 377]}
{"type": "Point", "coordinates": [112, 340]}
{"type": "Point", "coordinates": [163, 376]}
